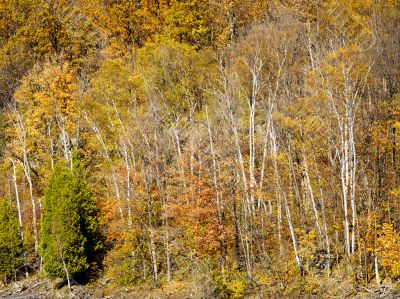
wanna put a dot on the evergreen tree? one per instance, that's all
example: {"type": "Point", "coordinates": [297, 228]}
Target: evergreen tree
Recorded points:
{"type": "Point", "coordinates": [70, 229]}
{"type": "Point", "coordinates": [10, 242]}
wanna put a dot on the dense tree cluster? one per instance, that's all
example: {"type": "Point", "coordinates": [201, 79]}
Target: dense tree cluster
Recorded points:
{"type": "Point", "coordinates": [243, 146]}
{"type": "Point", "coordinates": [70, 238]}
{"type": "Point", "coordinates": [11, 250]}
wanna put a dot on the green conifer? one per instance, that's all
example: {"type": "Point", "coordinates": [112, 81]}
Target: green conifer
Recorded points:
{"type": "Point", "coordinates": [70, 229]}
{"type": "Point", "coordinates": [10, 240]}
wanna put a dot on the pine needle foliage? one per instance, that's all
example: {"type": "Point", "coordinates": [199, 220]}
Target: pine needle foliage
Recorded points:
{"type": "Point", "coordinates": [10, 241]}
{"type": "Point", "coordinates": [70, 227]}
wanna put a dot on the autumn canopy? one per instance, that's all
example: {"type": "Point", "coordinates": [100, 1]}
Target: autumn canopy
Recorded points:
{"type": "Point", "coordinates": [231, 148]}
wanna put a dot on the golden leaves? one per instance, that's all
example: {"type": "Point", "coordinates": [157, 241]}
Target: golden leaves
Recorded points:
{"type": "Point", "coordinates": [388, 249]}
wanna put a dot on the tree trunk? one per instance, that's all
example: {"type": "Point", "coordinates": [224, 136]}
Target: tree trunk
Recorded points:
{"type": "Point", "coordinates": [21, 228]}
{"type": "Point", "coordinates": [27, 170]}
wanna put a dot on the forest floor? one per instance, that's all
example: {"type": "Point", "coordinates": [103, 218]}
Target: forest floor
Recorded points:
{"type": "Point", "coordinates": [38, 287]}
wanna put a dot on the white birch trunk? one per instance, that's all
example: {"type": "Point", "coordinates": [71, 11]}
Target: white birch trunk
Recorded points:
{"type": "Point", "coordinates": [21, 227]}
{"type": "Point", "coordinates": [27, 170]}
